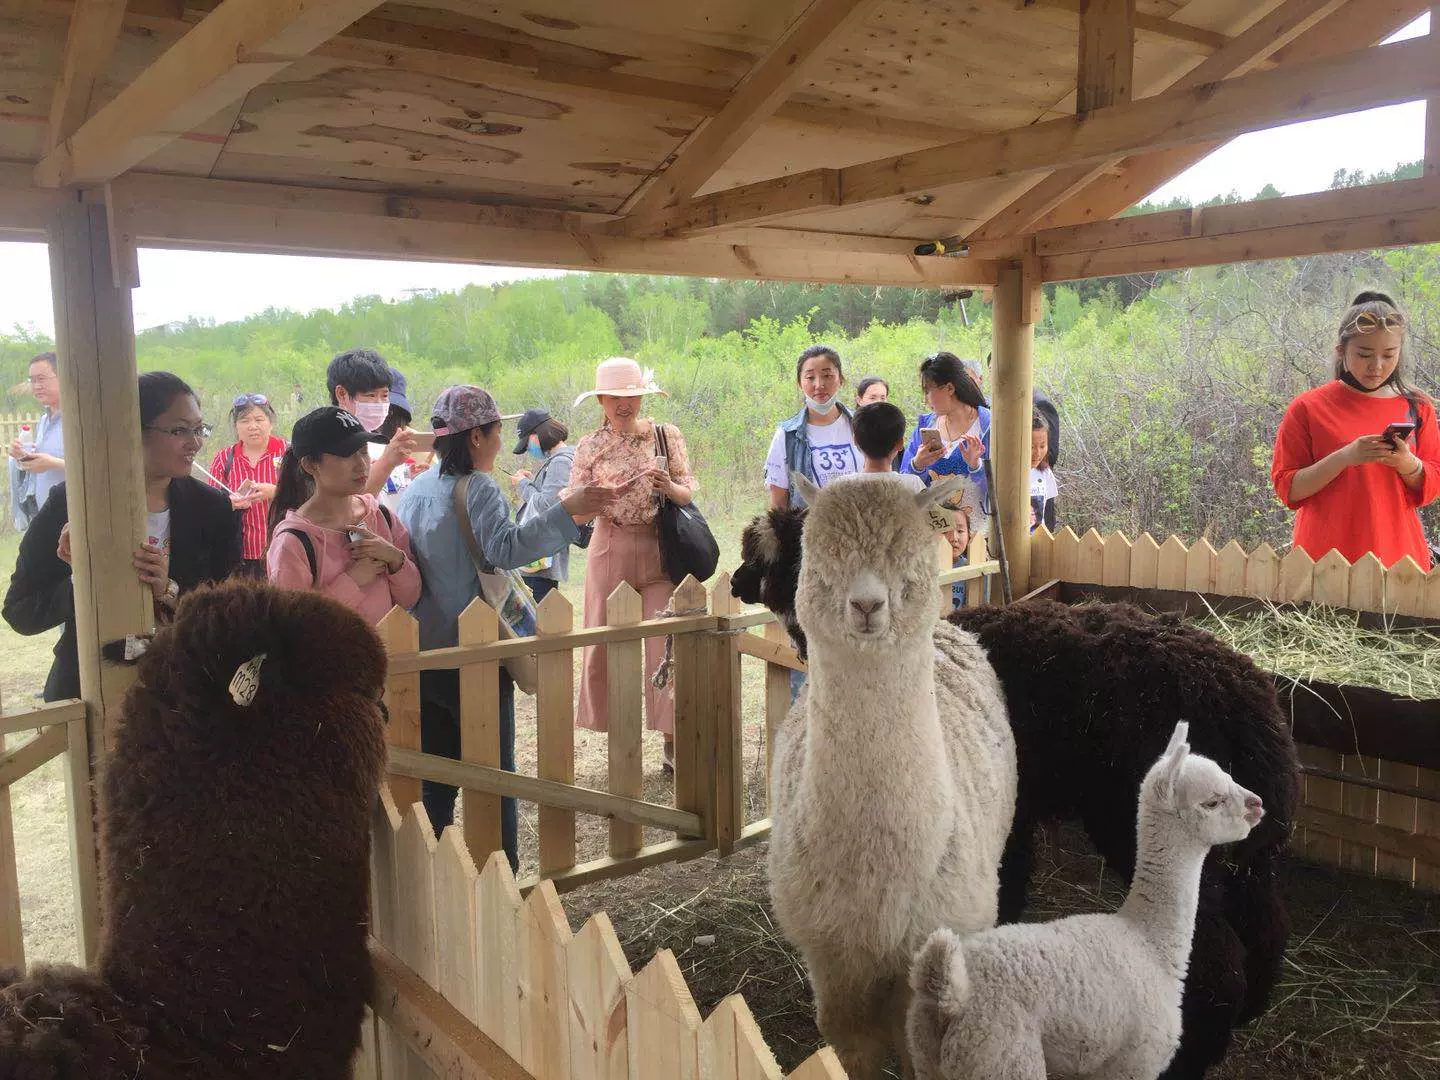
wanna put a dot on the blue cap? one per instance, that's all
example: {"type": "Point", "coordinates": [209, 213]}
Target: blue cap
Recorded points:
{"type": "Point", "coordinates": [397, 392]}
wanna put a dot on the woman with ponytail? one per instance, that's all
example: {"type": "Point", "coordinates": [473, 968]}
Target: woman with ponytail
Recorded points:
{"type": "Point", "coordinates": [1356, 457]}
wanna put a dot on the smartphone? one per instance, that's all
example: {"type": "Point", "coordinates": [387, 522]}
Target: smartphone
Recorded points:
{"type": "Point", "coordinates": [424, 441]}
{"type": "Point", "coordinates": [930, 436]}
{"type": "Point", "coordinates": [1395, 434]}
{"type": "Point", "coordinates": [354, 535]}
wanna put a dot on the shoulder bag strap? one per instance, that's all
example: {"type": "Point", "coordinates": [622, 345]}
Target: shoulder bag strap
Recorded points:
{"type": "Point", "coordinates": [309, 546]}
{"type": "Point", "coordinates": [458, 498]}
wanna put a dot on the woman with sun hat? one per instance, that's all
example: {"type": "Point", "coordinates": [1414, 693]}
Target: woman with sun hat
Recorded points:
{"type": "Point", "coordinates": [647, 461]}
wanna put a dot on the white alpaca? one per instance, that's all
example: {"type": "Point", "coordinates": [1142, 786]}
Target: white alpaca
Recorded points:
{"type": "Point", "coordinates": [1092, 995]}
{"type": "Point", "coordinates": [893, 783]}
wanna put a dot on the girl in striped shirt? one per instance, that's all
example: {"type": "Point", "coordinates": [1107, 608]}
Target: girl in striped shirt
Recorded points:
{"type": "Point", "coordinates": [248, 468]}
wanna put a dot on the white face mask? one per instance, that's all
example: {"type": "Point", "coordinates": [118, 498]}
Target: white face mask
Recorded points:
{"type": "Point", "coordinates": [821, 407]}
{"type": "Point", "coordinates": [371, 414]}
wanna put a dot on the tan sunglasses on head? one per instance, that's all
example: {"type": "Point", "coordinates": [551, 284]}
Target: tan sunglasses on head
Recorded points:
{"type": "Point", "coordinates": [1366, 323]}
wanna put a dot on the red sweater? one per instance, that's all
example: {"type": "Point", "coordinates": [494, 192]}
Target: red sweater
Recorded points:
{"type": "Point", "coordinates": [1367, 507]}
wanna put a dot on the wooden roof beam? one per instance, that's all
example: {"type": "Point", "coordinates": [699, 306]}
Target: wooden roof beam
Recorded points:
{"type": "Point", "coordinates": [1348, 219]}
{"type": "Point", "coordinates": [94, 29]}
{"type": "Point", "coordinates": [1139, 175]}
{"type": "Point", "coordinates": [1354, 81]}
{"type": "Point", "coordinates": [753, 101]}
{"type": "Point", "coordinates": [232, 50]}
{"type": "Point", "coordinates": [1270, 33]}
{"type": "Point", "coordinates": [1194, 38]}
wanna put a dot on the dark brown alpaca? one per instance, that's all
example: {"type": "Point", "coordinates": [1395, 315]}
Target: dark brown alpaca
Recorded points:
{"type": "Point", "coordinates": [236, 843]}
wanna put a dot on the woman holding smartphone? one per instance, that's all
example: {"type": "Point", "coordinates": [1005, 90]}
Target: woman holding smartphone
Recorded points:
{"type": "Point", "coordinates": [1357, 457]}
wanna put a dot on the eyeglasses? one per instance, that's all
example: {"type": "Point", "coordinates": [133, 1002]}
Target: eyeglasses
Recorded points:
{"type": "Point", "coordinates": [249, 399]}
{"type": "Point", "coordinates": [202, 432]}
{"type": "Point", "coordinates": [1368, 323]}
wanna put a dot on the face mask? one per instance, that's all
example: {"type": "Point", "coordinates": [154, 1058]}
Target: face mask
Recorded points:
{"type": "Point", "coordinates": [371, 414]}
{"type": "Point", "coordinates": [533, 449]}
{"type": "Point", "coordinates": [1355, 384]}
{"type": "Point", "coordinates": [820, 407]}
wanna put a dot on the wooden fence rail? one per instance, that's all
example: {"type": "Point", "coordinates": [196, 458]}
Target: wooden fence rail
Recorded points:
{"type": "Point", "coordinates": [1385, 822]}
{"type": "Point", "coordinates": [710, 637]}
{"type": "Point", "coordinates": [472, 980]}
{"type": "Point", "coordinates": [58, 729]}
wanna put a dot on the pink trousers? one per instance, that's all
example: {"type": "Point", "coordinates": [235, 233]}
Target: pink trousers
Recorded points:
{"type": "Point", "coordinates": [623, 553]}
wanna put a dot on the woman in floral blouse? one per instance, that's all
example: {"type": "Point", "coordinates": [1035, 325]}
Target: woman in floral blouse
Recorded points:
{"type": "Point", "coordinates": [623, 453]}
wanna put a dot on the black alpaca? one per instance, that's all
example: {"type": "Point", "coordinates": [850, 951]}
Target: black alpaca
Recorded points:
{"type": "Point", "coordinates": [1093, 694]}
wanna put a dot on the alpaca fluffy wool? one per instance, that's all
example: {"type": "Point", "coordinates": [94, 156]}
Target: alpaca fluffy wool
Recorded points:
{"type": "Point", "coordinates": [1090, 996]}
{"type": "Point", "coordinates": [893, 777]}
{"type": "Point", "coordinates": [1093, 694]}
{"type": "Point", "coordinates": [235, 847]}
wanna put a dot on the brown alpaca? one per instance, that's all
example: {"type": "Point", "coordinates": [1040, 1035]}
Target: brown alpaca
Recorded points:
{"type": "Point", "coordinates": [235, 842]}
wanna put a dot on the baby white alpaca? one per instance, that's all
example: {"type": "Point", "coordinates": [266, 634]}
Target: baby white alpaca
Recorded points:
{"type": "Point", "coordinates": [1092, 995]}
{"type": "Point", "coordinates": [893, 782]}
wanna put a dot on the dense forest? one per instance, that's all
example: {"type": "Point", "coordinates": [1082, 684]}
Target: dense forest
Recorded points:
{"type": "Point", "coordinates": [1170, 386]}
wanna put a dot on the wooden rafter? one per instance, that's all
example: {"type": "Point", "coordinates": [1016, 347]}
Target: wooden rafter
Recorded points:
{"type": "Point", "coordinates": [232, 50]}
{"type": "Point", "coordinates": [1360, 80]}
{"type": "Point", "coordinates": [1139, 175]}
{"type": "Point", "coordinates": [94, 29]}
{"type": "Point", "coordinates": [1379, 215]}
{"type": "Point", "coordinates": [754, 101]}
{"type": "Point", "coordinates": [1242, 54]}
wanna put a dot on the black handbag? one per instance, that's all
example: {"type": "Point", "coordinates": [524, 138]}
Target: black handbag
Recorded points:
{"type": "Point", "coordinates": [687, 546]}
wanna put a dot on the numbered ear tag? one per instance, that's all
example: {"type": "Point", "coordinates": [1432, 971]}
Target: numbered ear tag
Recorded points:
{"type": "Point", "coordinates": [246, 683]}
{"type": "Point", "coordinates": [941, 519]}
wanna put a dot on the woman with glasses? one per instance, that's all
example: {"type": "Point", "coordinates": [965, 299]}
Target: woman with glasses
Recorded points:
{"type": "Point", "coordinates": [1357, 457]}
{"type": "Point", "coordinates": [192, 535]}
{"type": "Point", "coordinates": [248, 469]}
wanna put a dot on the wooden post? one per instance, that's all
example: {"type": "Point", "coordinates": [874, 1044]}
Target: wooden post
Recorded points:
{"type": "Point", "coordinates": [84, 856]}
{"type": "Point", "coordinates": [1107, 54]}
{"type": "Point", "coordinates": [625, 693]}
{"type": "Point", "coordinates": [104, 478]}
{"type": "Point", "coordinates": [728, 753]}
{"type": "Point", "coordinates": [12, 937]}
{"type": "Point", "coordinates": [1013, 372]}
{"type": "Point", "coordinates": [777, 702]}
{"type": "Point", "coordinates": [1432, 106]}
{"type": "Point", "coordinates": [555, 726]}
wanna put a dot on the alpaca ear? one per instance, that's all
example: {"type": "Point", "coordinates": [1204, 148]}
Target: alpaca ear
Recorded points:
{"type": "Point", "coordinates": [1178, 737]}
{"type": "Point", "coordinates": [804, 488]}
{"type": "Point", "coordinates": [939, 491]}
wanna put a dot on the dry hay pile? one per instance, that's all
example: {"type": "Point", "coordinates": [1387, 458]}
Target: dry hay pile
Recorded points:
{"type": "Point", "coordinates": [1333, 645]}
{"type": "Point", "coordinates": [1359, 995]}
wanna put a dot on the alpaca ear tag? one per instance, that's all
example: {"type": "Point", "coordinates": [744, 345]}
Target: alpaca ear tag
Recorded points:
{"type": "Point", "coordinates": [246, 683]}
{"type": "Point", "coordinates": [940, 518]}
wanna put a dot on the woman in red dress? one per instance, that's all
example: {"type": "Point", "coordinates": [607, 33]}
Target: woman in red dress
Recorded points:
{"type": "Point", "coordinates": [1353, 487]}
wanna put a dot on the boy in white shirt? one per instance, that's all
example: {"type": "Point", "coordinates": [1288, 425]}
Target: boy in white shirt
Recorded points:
{"type": "Point", "coordinates": [879, 433]}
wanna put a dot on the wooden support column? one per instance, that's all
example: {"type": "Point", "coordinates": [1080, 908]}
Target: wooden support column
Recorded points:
{"type": "Point", "coordinates": [104, 479]}
{"type": "Point", "coordinates": [1012, 371]}
{"type": "Point", "coordinates": [1432, 106]}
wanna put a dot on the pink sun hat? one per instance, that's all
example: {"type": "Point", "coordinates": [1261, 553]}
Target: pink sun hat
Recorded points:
{"type": "Point", "coordinates": [621, 377]}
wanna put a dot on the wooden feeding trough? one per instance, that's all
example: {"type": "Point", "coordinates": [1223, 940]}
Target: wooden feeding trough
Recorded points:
{"type": "Point", "coordinates": [1371, 797]}
{"type": "Point", "coordinates": [816, 140]}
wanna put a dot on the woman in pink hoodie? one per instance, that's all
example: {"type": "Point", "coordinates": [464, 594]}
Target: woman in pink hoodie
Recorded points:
{"type": "Point", "coordinates": [326, 534]}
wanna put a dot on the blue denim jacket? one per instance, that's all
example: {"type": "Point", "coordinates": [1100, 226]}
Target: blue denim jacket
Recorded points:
{"type": "Point", "coordinates": [797, 448]}
{"type": "Point", "coordinates": [447, 576]}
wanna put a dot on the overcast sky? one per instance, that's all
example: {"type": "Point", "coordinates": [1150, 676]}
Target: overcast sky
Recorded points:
{"type": "Point", "coordinates": [176, 284]}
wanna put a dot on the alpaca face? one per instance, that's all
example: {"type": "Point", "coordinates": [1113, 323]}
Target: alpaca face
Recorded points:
{"type": "Point", "coordinates": [867, 576]}
{"type": "Point", "coordinates": [1215, 808]}
{"type": "Point", "coordinates": [1210, 806]}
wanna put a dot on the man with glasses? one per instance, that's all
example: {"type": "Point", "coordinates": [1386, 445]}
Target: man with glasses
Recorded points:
{"type": "Point", "coordinates": [37, 455]}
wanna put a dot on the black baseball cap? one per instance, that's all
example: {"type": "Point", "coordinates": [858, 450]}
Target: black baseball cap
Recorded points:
{"type": "Point", "coordinates": [532, 419]}
{"type": "Point", "coordinates": [330, 430]}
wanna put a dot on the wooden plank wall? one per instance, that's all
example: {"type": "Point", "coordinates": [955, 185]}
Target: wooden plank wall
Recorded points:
{"type": "Point", "coordinates": [564, 1006]}
{"type": "Point", "coordinates": [1353, 826]}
